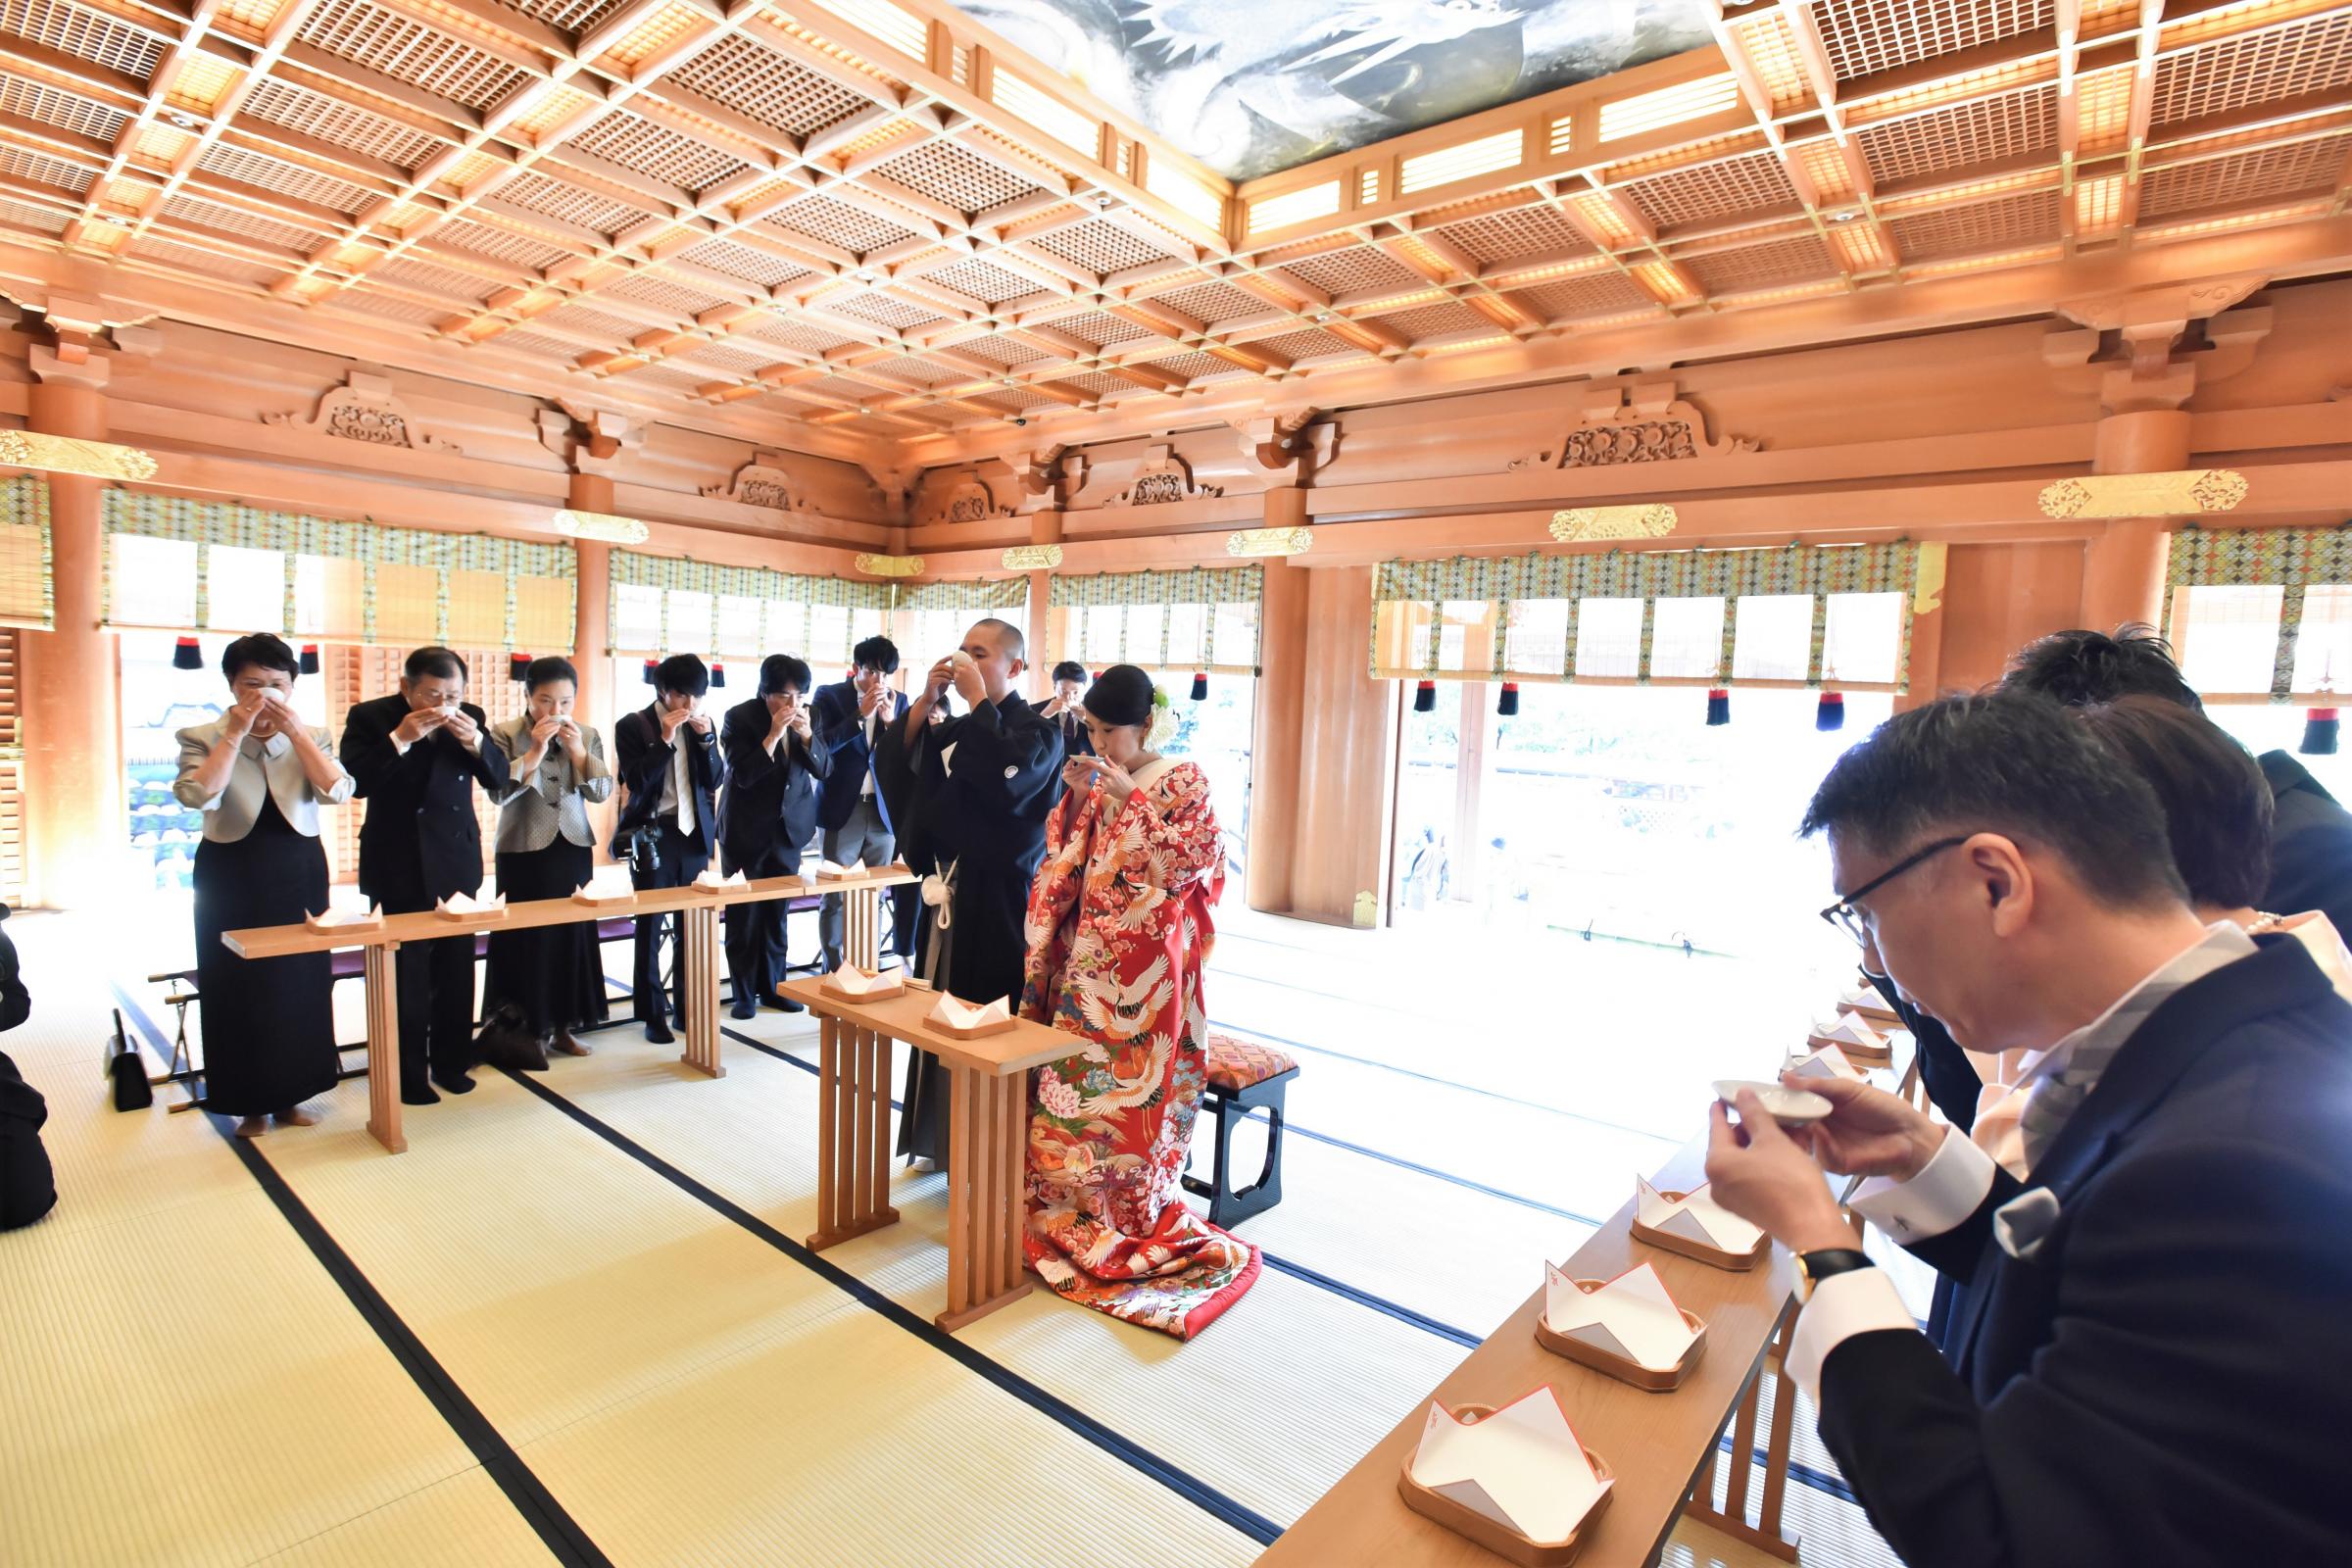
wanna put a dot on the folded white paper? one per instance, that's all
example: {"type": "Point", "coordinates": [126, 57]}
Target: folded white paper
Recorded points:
{"type": "Point", "coordinates": [467, 904]}
{"type": "Point", "coordinates": [330, 919]}
{"type": "Point", "coordinates": [828, 872]}
{"type": "Point", "coordinates": [1630, 1318]}
{"type": "Point", "coordinates": [1852, 1029]}
{"type": "Point", "coordinates": [711, 879]}
{"type": "Point", "coordinates": [851, 981]}
{"type": "Point", "coordinates": [1827, 1063]}
{"type": "Point", "coordinates": [1865, 999]}
{"type": "Point", "coordinates": [1521, 1467]}
{"type": "Point", "coordinates": [957, 1014]}
{"type": "Point", "coordinates": [1694, 1217]}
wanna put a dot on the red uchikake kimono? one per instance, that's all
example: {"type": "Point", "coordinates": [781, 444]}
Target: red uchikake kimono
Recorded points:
{"type": "Point", "coordinates": [1118, 933]}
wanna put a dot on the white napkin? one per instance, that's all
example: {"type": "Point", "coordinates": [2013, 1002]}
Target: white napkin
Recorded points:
{"type": "Point", "coordinates": [957, 1014]}
{"type": "Point", "coordinates": [851, 981]}
{"type": "Point", "coordinates": [331, 919]}
{"type": "Point", "coordinates": [466, 904]}
{"type": "Point", "coordinates": [1827, 1063]}
{"type": "Point", "coordinates": [1521, 1467]}
{"type": "Point", "coordinates": [1865, 999]}
{"type": "Point", "coordinates": [711, 879]}
{"type": "Point", "coordinates": [1631, 1316]}
{"type": "Point", "coordinates": [830, 871]}
{"type": "Point", "coordinates": [1694, 1217]}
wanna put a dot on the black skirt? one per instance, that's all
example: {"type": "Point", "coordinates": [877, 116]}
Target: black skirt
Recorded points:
{"type": "Point", "coordinates": [553, 971]}
{"type": "Point", "coordinates": [269, 1023]}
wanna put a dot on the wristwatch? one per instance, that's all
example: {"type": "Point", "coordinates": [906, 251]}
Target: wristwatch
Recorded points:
{"type": "Point", "coordinates": [1814, 1268]}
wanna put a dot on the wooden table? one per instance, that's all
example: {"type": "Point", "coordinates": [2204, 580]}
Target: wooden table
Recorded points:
{"type": "Point", "coordinates": [1662, 1446]}
{"type": "Point", "coordinates": [988, 1136]}
{"type": "Point", "coordinates": [699, 907]}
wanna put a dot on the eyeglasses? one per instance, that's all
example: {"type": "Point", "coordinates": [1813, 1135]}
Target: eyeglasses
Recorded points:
{"type": "Point", "coordinates": [1845, 917]}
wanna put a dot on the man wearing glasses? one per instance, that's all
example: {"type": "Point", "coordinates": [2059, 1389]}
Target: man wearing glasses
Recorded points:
{"type": "Point", "coordinates": [2147, 1364]}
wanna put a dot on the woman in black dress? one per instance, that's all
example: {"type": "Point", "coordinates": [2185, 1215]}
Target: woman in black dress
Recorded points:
{"type": "Point", "coordinates": [258, 776]}
{"type": "Point", "coordinates": [546, 847]}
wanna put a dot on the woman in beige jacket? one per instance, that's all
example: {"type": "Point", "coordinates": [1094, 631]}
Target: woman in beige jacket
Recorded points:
{"type": "Point", "coordinates": [259, 776]}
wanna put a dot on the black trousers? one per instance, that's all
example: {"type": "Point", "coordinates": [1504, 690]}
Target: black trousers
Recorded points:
{"type": "Point", "coordinates": [756, 932]}
{"type": "Point", "coordinates": [435, 983]}
{"type": "Point", "coordinates": [682, 861]}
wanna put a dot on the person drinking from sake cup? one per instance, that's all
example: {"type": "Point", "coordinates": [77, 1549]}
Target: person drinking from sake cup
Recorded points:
{"type": "Point", "coordinates": [2147, 1365]}
{"type": "Point", "coordinates": [1118, 936]}
{"type": "Point", "coordinates": [969, 797]}
{"type": "Point", "coordinates": [260, 774]}
{"type": "Point", "coordinates": [547, 849]}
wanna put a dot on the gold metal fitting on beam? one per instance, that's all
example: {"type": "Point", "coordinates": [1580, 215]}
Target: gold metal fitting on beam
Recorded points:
{"type": "Point", "coordinates": [602, 526]}
{"type": "Point", "coordinates": [59, 453]}
{"type": "Point", "coordinates": [1031, 558]}
{"type": "Point", "coordinates": [1270, 542]}
{"type": "Point", "coordinates": [2182, 493]}
{"type": "Point", "coordinates": [1578, 523]}
{"type": "Point", "coordinates": [890, 565]}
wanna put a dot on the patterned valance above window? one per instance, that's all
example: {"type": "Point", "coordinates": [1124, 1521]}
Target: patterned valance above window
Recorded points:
{"type": "Point", "coordinates": [177, 564]}
{"type": "Point", "coordinates": [668, 605]}
{"type": "Point", "coordinates": [2263, 613]}
{"type": "Point", "coordinates": [27, 590]}
{"type": "Point", "coordinates": [1202, 618]}
{"type": "Point", "coordinates": [1796, 615]}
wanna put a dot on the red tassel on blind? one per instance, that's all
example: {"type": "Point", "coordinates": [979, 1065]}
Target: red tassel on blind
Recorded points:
{"type": "Point", "coordinates": [1507, 704]}
{"type": "Point", "coordinates": [2320, 728]}
{"type": "Point", "coordinates": [649, 670]}
{"type": "Point", "coordinates": [719, 675]}
{"type": "Point", "coordinates": [518, 665]}
{"type": "Point", "coordinates": [1425, 697]}
{"type": "Point", "coordinates": [187, 654]}
{"type": "Point", "coordinates": [310, 659]}
{"type": "Point", "coordinates": [1831, 712]}
{"type": "Point", "coordinates": [1200, 686]}
{"type": "Point", "coordinates": [1719, 706]}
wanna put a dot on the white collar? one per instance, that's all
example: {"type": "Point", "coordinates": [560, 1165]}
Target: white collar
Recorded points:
{"type": "Point", "coordinates": [2225, 942]}
{"type": "Point", "coordinates": [272, 747]}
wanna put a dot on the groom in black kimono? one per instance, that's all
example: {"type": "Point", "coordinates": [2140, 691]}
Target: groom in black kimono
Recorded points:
{"type": "Point", "coordinates": [970, 796]}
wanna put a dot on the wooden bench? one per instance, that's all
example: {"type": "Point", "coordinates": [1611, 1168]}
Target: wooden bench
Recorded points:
{"type": "Point", "coordinates": [988, 1136]}
{"type": "Point", "coordinates": [1244, 1076]}
{"type": "Point", "coordinates": [700, 907]}
{"type": "Point", "coordinates": [1663, 1447]}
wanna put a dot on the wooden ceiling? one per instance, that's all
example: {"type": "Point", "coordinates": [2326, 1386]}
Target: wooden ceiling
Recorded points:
{"type": "Point", "coordinates": [869, 211]}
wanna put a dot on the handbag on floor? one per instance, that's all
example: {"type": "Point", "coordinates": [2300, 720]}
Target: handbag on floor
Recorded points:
{"type": "Point", "coordinates": [508, 1041]}
{"type": "Point", "coordinates": [127, 1070]}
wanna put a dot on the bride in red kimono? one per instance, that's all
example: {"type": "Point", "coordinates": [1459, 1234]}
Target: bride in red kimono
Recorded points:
{"type": "Point", "coordinates": [1118, 933]}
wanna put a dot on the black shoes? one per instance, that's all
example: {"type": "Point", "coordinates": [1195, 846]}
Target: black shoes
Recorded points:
{"type": "Point", "coordinates": [419, 1094]}
{"type": "Point", "coordinates": [745, 1007]}
{"type": "Point", "coordinates": [787, 1005]}
{"type": "Point", "coordinates": [658, 1031]}
{"type": "Point", "coordinates": [455, 1083]}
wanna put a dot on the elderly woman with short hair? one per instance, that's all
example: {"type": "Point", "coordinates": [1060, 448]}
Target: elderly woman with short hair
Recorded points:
{"type": "Point", "coordinates": [260, 775]}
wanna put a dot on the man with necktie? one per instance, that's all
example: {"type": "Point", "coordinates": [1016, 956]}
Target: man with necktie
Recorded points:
{"type": "Point", "coordinates": [856, 819]}
{"type": "Point", "coordinates": [669, 764]}
{"type": "Point", "coordinates": [776, 755]}
{"type": "Point", "coordinates": [1069, 684]}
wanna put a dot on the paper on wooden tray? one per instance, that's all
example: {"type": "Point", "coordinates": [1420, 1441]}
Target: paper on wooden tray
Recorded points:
{"type": "Point", "coordinates": [851, 981]}
{"type": "Point", "coordinates": [1852, 1029]}
{"type": "Point", "coordinates": [832, 871]}
{"type": "Point", "coordinates": [344, 919]}
{"type": "Point", "coordinates": [1827, 1063]}
{"type": "Point", "coordinates": [711, 879]}
{"type": "Point", "coordinates": [1521, 1467]}
{"type": "Point", "coordinates": [460, 906]}
{"type": "Point", "coordinates": [953, 1012]}
{"type": "Point", "coordinates": [1694, 1217]}
{"type": "Point", "coordinates": [1865, 999]}
{"type": "Point", "coordinates": [1631, 1316]}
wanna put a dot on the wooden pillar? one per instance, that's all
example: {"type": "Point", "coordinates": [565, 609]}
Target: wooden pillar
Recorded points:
{"type": "Point", "coordinates": [1346, 759]}
{"type": "Point", "coordinates": [2123, 569]}
{"type": "Point", "coordinates": [1469, 785]}
{"type": "Point", "coordinates": [1045, 528]}
{"type": "Point", "coordinates": [1279, 719]}
{"type": "Point", "coordinates": [592, 635]}
{"type": "Point", "coordinates": [71, 698]}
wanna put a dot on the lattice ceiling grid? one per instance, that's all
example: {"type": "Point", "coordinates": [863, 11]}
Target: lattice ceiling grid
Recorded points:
{"type": "Point", "coordinates": [828, 207]}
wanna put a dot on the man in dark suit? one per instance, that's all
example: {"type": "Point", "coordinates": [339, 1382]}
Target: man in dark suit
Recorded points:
{"type": "Point", "coordinates": [2311, 835]}
{"type": "Point", "coordinates": [666, 757]}
{"type": "Point", "coordinates": [775, 757]}
{"type": "Point", "coordinates": [414, 758]}
{"type": "Point", "coordinates": [2147, 1364]}
{"type": "Point", "coordinates": [853, 813]}
{"type": "Point", "coordinates": [1069, 684]}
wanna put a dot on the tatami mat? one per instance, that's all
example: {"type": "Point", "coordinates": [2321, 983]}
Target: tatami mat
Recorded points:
{"type": "Point", "coordinates": [687, 1390]}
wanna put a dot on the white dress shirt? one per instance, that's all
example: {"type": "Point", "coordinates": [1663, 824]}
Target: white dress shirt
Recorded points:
{"type": "Point", "coordinates": [1954, 1181]}
{"type": "Point", "coordinates": [866, 790]}
{"type": "Point", "coordinates": [264, 765]}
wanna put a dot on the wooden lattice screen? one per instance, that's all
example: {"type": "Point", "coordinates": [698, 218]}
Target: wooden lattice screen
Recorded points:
{"type": "Point", "coordinates": [12, 773]}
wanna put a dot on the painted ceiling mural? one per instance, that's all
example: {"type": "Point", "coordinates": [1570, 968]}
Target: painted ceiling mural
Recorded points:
{"type": "Point", "coordinates": [1254, 86]}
